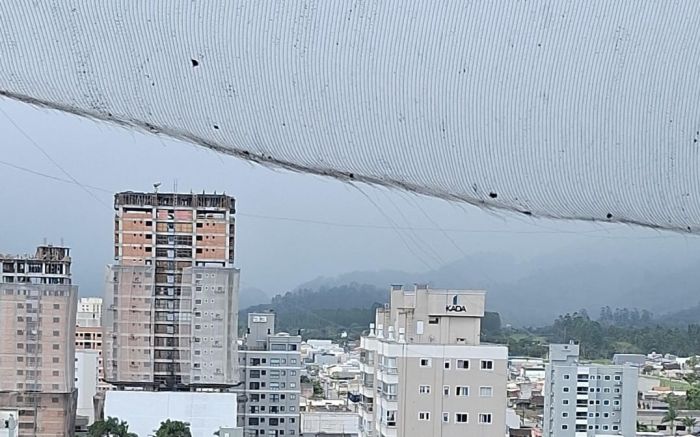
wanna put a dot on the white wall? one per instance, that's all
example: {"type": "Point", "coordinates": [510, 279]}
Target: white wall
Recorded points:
{"type": "Point", "coordinates": [86, 370]}
{"type": "Point", "coordinates": [319, 422]}
{"type": "Point", "coordinates": [12, 415]}
{"type": "Point", "coordinates": [144, 411]}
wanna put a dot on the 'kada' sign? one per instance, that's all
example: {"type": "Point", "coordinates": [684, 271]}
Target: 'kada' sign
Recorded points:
{"type": "Point", "coordinates": [455, 307]}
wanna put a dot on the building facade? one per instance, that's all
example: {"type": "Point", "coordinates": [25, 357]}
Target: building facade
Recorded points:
{"type": "Point", "coordinates": [424, 371]}
{"type": "Point", "coordinates": [170, 310]}
{"type": "Point", "coordinates": [86, 382]}
{"type": "Point", "coordinates": [37, 321]}
{"type": "Point", "coordinates": [89, 312]}
{"type": "Point", "coordinates": [588, 400]}
{"type": "Point", "coordinates": [270, 365]}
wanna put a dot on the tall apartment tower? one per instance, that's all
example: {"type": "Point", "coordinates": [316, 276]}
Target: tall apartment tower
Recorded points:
{"type": "Point", "coordinates": [588, 400]}
{"type": "Point", "coordinates": [170, 310]}
{"type": "Point", "coordinates": [37, 322]}
{"type": "Point", "coordinates": [271, 371]}
{"type": "Point", "coordinates": [424, 371]}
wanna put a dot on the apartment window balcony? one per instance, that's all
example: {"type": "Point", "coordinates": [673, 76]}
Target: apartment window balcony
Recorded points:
{"type": "Point", "coordinates": [390, 397]}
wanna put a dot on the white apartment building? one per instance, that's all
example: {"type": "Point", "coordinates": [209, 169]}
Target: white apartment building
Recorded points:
{"type": "Point", "coordinates": [89, 312]}
{"type": "Point", "coordinates": [270, 366]}
{"type": "Point", "coordinates": [425, 372]}
{"type": "Point", "coordinates": [585, 400]}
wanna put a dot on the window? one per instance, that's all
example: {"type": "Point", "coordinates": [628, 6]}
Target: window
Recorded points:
{"type": "Point", "coordinates": [463, 364]}
{"type": "Point", "coordinates": [424, 415]}
{"type": "Point", "coordinates": [607, 377]}
{"type": "Point", "coordinates": [424, 389]}
{"type": "Point", "coordinates": [55, 347]}
{"type": "Point", "coordinates": [462, 390]}
{"type": "Point", "coordinates": [565, 427]}
{"type": "Point", "coordinates": [56, 319]}
{"type": "Point", "coordinates": [486, 365]}
{"type": "Point", "coordinates": [567, 376]}
{"type": "Point", "coordinates": [485, 418]}
{"type": "Point", "coordinates": [461, 418]}
{"type": "Point", "coordinates": [606, 402]}
{"type": "Point", "coordinates": [446, 417]}
{"type": "Point", "coordinates": [565, 389]}
{"type": "Point", "coordinates": [425, 362]}
{"type": "Point", "coordinates": [565, 402]}
{"type": "Point", "coordinates": [564, 414]}
{"type": "Point", "coordinates": [57, 306]}
{"type": "Point", "coordinates": [485, 392]}
{"type": "Point", "coordinates": [617, 377]}
{"type": "Point", "coordinates": [445, 390]}
{"type": "Point", "coordinates": [447, 364]}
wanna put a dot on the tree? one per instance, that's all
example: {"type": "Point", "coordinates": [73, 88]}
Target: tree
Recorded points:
{"type": "Point", "coordinates": [318, 389]}
{"type": "Point", "coordinates": [173, 428]}
{"type": "Point", "coordinates": [112, 427]}
{"type": "Point", "coordinates": [670, 417]}
{"type": "Point", "coordinates": [689, 423]}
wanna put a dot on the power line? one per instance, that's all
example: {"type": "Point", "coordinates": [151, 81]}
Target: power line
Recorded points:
{"type": "Point", "coordinates": [54, 162]}
{"type": "Point", "coordinates": [356, 225]}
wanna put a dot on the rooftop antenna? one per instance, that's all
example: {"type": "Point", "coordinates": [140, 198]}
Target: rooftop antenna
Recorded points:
{"type": "Point", "coordinates": [155, 187]}
{"type": "Point", "coordinates": [174, 185]}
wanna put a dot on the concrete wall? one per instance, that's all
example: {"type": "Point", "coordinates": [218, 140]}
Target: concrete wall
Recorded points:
{"type": "Point", "coordinates": [86, 378]}
{"type": "Point", "coordinates": [329, 423]}
{"type": "Point", "coordinates": [144, 411]}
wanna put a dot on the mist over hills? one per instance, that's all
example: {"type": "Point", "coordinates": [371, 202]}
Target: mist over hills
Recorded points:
{"type": "Point", "coordinates": [535, 290]}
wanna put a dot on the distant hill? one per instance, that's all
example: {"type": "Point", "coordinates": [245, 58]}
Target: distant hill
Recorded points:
{"type": "Point", "coordinates": [249, 296]}
{"type": "Point", "coordinates": [536, 291]}
{"type": "Point", "coordinates": [324, 313]}
{"type": "Point", "coordinates": [683, 317]}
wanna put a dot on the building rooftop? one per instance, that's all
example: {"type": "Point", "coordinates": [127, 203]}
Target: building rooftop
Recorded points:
{"type": "Point", "coordinates": [46, 252]}
{"type": "Point", "coordinates": [184, 200]}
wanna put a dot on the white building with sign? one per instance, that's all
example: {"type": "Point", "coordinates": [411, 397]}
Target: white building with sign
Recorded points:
{"type": "Point", "coordinates": [424, 371]}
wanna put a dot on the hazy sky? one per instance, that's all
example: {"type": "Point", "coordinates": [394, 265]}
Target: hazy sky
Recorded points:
{"type": "Point", "coordinates": [290, 227]}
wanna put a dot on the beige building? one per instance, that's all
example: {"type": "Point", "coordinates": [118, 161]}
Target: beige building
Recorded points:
{"type": "Point", "coordinates": [170, 310]}
{"type": "Point", "coordinates": [425, 372]}
{"type": "Point", "coordinates": [37, 321]}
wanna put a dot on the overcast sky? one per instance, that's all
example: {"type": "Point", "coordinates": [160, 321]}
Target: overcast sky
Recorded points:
{"type": "Point", "coordinates": [290, 227]}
